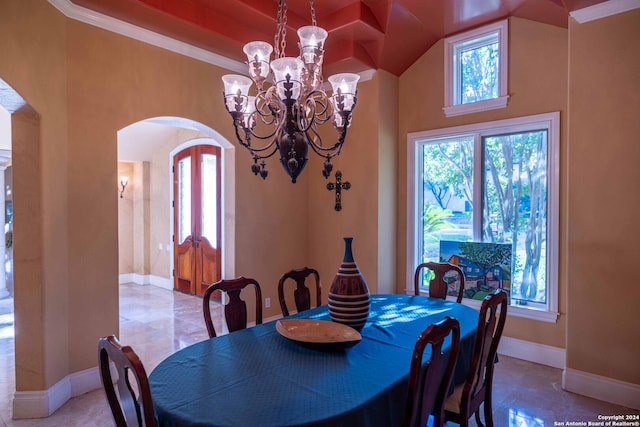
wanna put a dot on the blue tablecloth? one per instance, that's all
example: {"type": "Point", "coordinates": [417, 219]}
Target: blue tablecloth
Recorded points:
{"type": "Point", "coordinates": [255, 377]}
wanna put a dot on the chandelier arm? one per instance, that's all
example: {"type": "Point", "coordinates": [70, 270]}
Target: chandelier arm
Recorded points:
{"type": "Point", "coordinates": [326, 111]}
{"type": "Point", "coordinates": [259, 155]}
{"type": "Point", "coordinates": [270, 108]}
{"type": "Point", "coordinates": [246, 142]}
{"type": "Point", "coordinates": [315, 116]}
{"type": "Point", "coordinates": [268, 117]}
{"type": "Point", "coordinates": [262, 137]}
{"type": "Point", "coordinates": [326, 152]}
{"type": "Point", "coordinates": [304, 122]}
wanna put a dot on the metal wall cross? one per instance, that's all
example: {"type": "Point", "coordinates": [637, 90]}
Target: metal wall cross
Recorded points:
{"type": "Point", "coordinates": [338, 187]}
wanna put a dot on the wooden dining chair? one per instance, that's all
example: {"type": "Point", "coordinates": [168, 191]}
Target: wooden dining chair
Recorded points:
{"type": "Point", "coordinates": [429, 385]}
{"type": "Point", "coordinates": [438, 286]}
{"type": "Point", "coordinates": [130, 410]}
{"type": "Point", "coordinates": [235, 311]}
{"type": "Point", "coordinates": [301, 294]}
{"type": "Point", "coordinates": [477, 388]}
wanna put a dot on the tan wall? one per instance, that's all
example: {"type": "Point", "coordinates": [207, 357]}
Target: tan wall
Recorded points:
{"type": "Point", "coordinates": [359, 217]}
{"type": "Point", "coordinates": [603, 329]}
{"type": "Point", "coordinates": [388, 146]}
{"type": "Point", "coordinates": [537, 84]}
{"type": "Point", "coordinates": [161, 228]}
{"type": "Point", "coordinates": [125, 219]}
{"type": "Point", "coordinates": [33, 50]}
{"type": "Point", "coordinates": [141, 218]}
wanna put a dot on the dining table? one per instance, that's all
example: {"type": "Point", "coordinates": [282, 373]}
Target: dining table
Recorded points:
{"type": "Point", "coordinates": [258, 377]}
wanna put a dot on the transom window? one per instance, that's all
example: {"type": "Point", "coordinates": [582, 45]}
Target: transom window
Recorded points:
{"type": "Point", "coordinates": [476, 70]}
{"type": "Point", "coordinates": [485, 197]}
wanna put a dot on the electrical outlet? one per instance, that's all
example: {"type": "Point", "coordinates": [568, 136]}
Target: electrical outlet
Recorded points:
{"type": "Point", "coordinates": [267, 302]}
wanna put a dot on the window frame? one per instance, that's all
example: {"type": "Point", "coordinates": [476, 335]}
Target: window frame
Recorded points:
{"type": "Point", "coordinates": [452, 104]}
{"type": "Point", "coordinates": [549, 121]}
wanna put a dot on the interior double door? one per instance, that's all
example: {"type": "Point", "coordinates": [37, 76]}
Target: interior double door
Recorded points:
{"type": "Point", "coordinates": [197, 223]}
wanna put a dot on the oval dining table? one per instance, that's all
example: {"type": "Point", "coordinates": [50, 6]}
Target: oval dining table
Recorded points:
{"type": "Point", "coordinates": [256, 377]}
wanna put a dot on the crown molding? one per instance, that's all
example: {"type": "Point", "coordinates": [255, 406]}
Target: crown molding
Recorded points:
{"type": "Point", "coordinates": [88, 16]}
{"type": "Point", "coordinates": [602, 10]}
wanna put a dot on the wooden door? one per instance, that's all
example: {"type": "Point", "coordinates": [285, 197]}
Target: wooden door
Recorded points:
{"type": "Point", "coordinates": [196, 216]}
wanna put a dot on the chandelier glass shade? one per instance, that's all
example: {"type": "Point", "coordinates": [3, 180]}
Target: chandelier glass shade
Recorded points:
{"type": "Point", "coordinates": [290, 104]}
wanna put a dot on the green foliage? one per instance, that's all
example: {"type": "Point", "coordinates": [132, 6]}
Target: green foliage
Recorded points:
{"type": "Point", "coordinates": [434, 219]}
{"type": "Point", "coordinates": [448, 168]}
{"type": "Point", "coordinates": [479, 68]}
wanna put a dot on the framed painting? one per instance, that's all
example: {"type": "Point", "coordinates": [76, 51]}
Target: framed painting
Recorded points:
{"type": "Point", "coordinates": [486, 266]}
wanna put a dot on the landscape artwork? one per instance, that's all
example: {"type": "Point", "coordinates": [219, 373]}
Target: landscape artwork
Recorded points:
{"type": "Point", "coordinates": [486, 266]}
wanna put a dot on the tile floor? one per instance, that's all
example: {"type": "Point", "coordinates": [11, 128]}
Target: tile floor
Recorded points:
{"type": "Point", "coordinates": [157, 322]}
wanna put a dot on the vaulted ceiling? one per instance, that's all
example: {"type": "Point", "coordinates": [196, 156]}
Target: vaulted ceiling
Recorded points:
{"type": "Point", "coordinates": [363, 34]}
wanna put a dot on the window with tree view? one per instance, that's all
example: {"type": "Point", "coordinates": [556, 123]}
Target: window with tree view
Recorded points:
{"type": "Point", "coordinates": [476, 70]}
{"type": "Point", "coordinates": [492, 183]}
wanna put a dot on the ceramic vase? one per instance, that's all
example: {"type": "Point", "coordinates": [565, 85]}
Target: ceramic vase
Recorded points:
{"type": "Point", "coordinates": [349, 295]}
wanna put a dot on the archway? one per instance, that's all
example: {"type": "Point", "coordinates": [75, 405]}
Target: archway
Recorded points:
{"type": "Point", "coordinates": [149, 190]}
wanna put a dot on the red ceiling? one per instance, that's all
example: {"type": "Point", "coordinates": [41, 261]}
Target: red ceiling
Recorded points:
{"type": "Point", "coordinates": [363, 34]}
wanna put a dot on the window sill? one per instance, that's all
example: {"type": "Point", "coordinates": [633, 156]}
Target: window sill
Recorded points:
{"type": "Point", "coordinates": [526, 313]}
{"type": "Point", "coordinates": [513, 310]}
{"type": "Point", "coordinates": [476, 107]}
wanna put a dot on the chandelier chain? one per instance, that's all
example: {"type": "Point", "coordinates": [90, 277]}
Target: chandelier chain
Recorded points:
{"type": "Point", "coordinates": [280, 39]}
{"type": "Point", "coordinates": [313, 13]}
{"type": "Point", "coordinates": [276, 37]}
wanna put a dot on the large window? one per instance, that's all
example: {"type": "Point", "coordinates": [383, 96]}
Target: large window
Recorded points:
{"type": "Point", "coordinates": [493, 183]}
{"type": "Point", "coordinates": [476, 70]}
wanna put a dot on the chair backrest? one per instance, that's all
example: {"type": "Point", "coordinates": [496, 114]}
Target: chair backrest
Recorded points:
{"type": "Point", "coordinates": [437, 286]}
{"type": "Point", "coordinates": [130, 410]}
{"type": "Point", "coordinates": [429, 385]}
{"type": "Point", "coordinates": [301, 294]}
{"type": "Point", "coordinates": [493, 314]}
{"type": "Point", "coordinates": [235, 311]}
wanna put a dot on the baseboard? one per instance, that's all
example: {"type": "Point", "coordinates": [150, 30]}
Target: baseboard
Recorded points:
{"type": "Point", "coordinates": [533, 352]}
{"type": "Point", "coordinates": [601, 388]}
{"type": "Point", "coordinates": [272, 318]}
{"type": "Point", "coordinates": [125, 278]}
{"type": "Point", "coordinates": [43, 403]}
{"type": "Point", "coordinates": [146, 279]}
{"type": "Point", "coordinates": [161, 282]}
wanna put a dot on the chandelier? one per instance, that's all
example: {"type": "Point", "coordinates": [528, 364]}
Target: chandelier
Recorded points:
{"type": "Point", "coordinates": [284, 116]}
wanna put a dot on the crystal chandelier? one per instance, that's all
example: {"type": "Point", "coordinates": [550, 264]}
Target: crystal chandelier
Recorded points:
{"type": "Point", "coordinates": [285, 114]}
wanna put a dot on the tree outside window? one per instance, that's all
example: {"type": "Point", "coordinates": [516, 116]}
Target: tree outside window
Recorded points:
{"type": "Point", "coordinates": [493, 186]}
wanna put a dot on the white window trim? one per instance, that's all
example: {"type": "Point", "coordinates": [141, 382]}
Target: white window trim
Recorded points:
{"type": "Point", "coordinates": [451, 106]}
{"type": "Point", "coordinates": [548, 120]}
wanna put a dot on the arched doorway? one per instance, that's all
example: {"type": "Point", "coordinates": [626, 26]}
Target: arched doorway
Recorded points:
{"type": "Point", "coordinates": [146, 211]}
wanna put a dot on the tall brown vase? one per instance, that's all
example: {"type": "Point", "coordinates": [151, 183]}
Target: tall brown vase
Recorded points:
{"type": "Point", "coordinates": [349, 295]}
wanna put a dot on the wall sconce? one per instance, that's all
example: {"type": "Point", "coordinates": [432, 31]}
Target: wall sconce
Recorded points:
{"type": "Point", "coordinates": [124, 180]}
